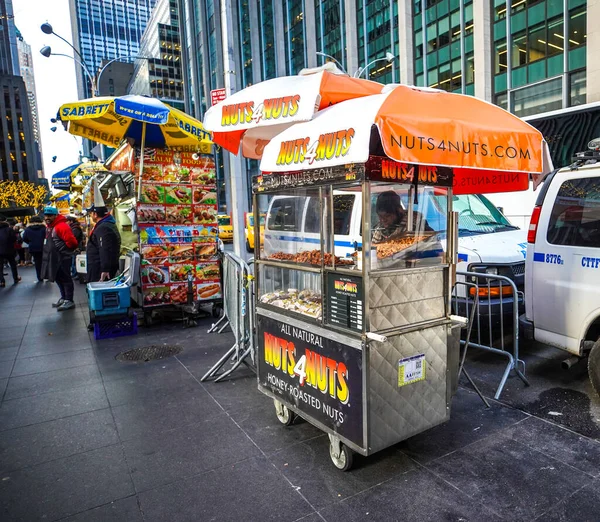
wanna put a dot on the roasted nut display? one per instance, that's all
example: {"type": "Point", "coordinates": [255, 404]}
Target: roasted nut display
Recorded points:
{"type": "Point", "coordinates": [310, 257]}
{"type": "Point", "coordinates": [305, 302]}
{"type": "Point", "coordinates": [393, 246]}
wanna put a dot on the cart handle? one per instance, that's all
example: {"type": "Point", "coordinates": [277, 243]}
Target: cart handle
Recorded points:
{"type": "Point", "coordinates": [376, 337]}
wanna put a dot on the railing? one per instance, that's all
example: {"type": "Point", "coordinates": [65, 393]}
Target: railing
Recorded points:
{"type": "Point", "coordinates": [238, 313]}
{"type": "Point", "coordinates": [490, 301]}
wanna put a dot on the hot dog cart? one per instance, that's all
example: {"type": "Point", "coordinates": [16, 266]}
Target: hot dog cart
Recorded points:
{"type": "Point", "coordinates": [355, 337]}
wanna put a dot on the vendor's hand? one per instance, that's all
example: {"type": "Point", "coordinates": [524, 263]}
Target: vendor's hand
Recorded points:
{"type": "Point", "coordinates": [104, 276]}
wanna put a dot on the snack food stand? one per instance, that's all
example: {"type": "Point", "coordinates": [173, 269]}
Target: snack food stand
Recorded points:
{"type": "Point", "coordinates": [359, 339]}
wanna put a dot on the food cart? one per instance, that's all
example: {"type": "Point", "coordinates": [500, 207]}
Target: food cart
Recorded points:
{"type": "Point", "coordinates": [355, 333]}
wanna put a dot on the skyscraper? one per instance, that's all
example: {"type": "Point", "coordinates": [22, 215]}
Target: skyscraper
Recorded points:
{"type": "Point", "coordinates": [107, 29]}
{"type": "Point", "coordinates": [160, 75]}
{"type": "Point", "coordinates": [18, 157]}
{"type": "Point", "coordinates": [26, 67]}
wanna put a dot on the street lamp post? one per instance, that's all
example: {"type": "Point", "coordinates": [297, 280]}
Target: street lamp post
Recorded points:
{"type": "Point", "coordinates": [94, 81]}
{"type": "Point", "coordinates": [388, 57]}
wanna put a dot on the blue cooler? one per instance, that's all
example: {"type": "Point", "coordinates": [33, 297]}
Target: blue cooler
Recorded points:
{"type": "Point", "coordinates": [109, 298]}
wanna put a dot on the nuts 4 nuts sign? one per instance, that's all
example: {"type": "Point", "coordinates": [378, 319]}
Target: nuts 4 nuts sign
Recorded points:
{"type": "Point", "coordinates": [317, 375]}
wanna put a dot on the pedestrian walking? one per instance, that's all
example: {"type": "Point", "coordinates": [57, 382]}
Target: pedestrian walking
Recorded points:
{"type": "Point", "coordinates": [103, 247]}
{"type": "Point", "coordinates": [34, 236]}
{"type": "Point", "coordinates": [8, 239]}
{"type": "Point", "coordinates": [59, 246]}
{"type": "Point", "coordinates": [19, 248]}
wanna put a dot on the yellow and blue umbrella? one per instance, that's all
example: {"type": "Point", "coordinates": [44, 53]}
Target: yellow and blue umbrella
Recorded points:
{"type": "Point", "coordinates": [79, 173]}
{"type": "Point", "coordinates": [140, 120]}
{"type": "Point", "coordinates": [143, 121]}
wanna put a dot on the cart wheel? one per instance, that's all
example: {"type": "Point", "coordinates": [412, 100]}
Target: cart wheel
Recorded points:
{"type": "Point", "coordinates": [344, 460]}
{"type": "Point", "coordinates": [147, 318]}
{"type": "Point", "coordinates": [216, 311]}
{"type": "Point", "coordinates": [284, 414]}
{"type": "Point", "coordinates": [594, 366]}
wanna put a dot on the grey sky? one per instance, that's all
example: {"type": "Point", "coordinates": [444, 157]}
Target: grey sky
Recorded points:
{"type": "Point", "coordinates": [54, 76]}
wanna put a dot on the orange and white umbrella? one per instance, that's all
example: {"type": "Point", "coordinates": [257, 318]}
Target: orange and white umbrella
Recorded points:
{"type": "Point", "coordinates": [416, 126]}
{"type": "Point", "coordinates": [255, 114]}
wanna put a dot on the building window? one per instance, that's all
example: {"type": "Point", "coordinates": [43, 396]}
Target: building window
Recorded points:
{"type": "Point", "coordinates": [538, 98]}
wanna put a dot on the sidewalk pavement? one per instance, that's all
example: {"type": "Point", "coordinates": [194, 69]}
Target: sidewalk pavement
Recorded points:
{"type": "Point", "coordinates": [84, 437]}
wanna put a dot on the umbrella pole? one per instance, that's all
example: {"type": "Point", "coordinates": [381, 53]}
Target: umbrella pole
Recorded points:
{"type": "Point", "coordinates": [143, 144]}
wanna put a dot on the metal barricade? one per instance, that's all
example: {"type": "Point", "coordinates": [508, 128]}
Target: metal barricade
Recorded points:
{"type": "Point", "coordinates": [238, 313]}
{"type": "Point", "coordinates": [484, 298]}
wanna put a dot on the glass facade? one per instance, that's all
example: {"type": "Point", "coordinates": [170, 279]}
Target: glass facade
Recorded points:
{"type": "Point", "coordinates": [161, 75]}
{"type": "Point", "coordinates": [294, 35]}
{"type": "Point", "coordinates": [107, 29]}
{"type": "Point", "coordinates": [377, 35]}
{"type": "Point", "coordinates": [245, 42]}
{"type": "Point", "coordinates": [330, 29]}
{"type": "Point", "coordinates": [535, 44]}
{"type": "Point", "coordinates": [443, 44]}
{"type": "Point", "coordinates": [266, 23]}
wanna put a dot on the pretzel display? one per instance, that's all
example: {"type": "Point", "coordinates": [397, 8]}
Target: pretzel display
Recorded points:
{"type": "Point", "coordinates": [393, 246]}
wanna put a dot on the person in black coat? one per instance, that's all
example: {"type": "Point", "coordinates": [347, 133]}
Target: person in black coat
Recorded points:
{"type": "Point", "coordinates": [8, 238]}
{"type": "Point", "coordinates": [103, 247]}
{"type": "Point", "coordinates": [34, 236]}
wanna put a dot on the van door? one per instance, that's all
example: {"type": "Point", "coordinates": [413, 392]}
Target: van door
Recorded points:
{"type": "Point", "coordinates": [566, 261]}
{"type": "Point", "coordinates": [347, 222]}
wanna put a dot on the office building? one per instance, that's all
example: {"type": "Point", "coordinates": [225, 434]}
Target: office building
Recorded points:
{"type": "Point", "coordinates": [160, 74]}
{"type": "Point", "coordinates": [106, 29]}
{"type": "Point", "coordinates": [26, 69]}
{"type": "Point", "coordinates": [18, 157]}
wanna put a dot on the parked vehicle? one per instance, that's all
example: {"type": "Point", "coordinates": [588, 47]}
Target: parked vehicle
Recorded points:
{"type": "Point", "coordinates": [488, 242]}
{"type": "Point", "coordinates": [562, 282]}
{"type": "Point", "coordinates": [249, 230]}
{"type": "Point", "coordinates": [225, 227]}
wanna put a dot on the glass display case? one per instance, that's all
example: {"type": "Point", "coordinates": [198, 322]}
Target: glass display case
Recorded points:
{"type": "Point", "coordinates": [329, 246]}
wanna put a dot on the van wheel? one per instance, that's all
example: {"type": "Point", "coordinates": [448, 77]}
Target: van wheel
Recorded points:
{"type": "Point", "coordinates": [248, 247]}
{"type": "Point", "coordinates": [594, 366]}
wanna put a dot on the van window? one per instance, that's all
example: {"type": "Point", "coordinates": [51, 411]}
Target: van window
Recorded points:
{"type": "Point", "coordinates": [286, 214]}
{"type": "Point", "coordinates": [312, 223]}
{"type": "Point", "coordinates": [575, 217]}
{"type": "Point", "coordinates": [342, 213]}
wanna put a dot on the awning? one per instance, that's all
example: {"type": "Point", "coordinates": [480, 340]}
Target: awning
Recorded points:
{"type": "Point", "coordinates": [415, 126]}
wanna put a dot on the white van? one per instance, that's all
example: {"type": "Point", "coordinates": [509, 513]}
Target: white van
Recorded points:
{"type": "Point", "coordinates": [488, 242]}
{"type": "Point", "coordinates": [562, 281]}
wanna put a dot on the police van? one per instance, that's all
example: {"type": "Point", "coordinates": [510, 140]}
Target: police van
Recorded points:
{"type": "Point", "coordinates": [562, 276]}
{"type": "Point", "coordinates": [488, 242]}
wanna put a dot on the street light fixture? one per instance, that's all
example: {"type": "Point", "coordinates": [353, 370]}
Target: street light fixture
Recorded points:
{"type": "Point", "coordinates": [389, 57]}
{"type": "Point", "coordinates": [329, 56]}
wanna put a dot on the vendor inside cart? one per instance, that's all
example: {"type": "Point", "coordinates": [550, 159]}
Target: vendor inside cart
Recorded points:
{"type": "Point", "coordinates": [393, 219]}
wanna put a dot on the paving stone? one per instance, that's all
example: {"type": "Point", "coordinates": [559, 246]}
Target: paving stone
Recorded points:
{"type": "Point", "coordinates": [580, 506]}
{"type": "Point", "coordinates": [49, 406]}
{"type": "Point", "coordinates": [31, 445]}
{"type": "Point", "coordinates": [58, 361]}
{"type": "Point", "coordinates": [56, 343]}
{"type": "Point", "coordinates": [160, 458]}
{"type": "Point", "coordinates": [249, 490]}
{"type": "Point", "coordinates": [262, 426]}
{"type": "Point", "coordinates": [411, 497]}
{"type": "Point", "coordinates": [124, 510]}
{"type": "Point", "coordinates": [150, 386]}
{"type": "Point", "coordinates": [470, 420]}
{"type": "Point", "coordinates": [8, 353]}
{"type": "Point", "coordinates": [55, 380]}
{"type": "Point", "coordinates": [488, 471]}
{"type": "Point", "coordinates": [136, 419]}
{"type": "Point", "coordinates": [309, 466]}
{"type": "Point", "coordinates": [64, 487]}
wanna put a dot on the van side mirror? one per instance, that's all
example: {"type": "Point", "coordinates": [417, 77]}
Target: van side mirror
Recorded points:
{"type": "Point", "coordinates": [500, 209]}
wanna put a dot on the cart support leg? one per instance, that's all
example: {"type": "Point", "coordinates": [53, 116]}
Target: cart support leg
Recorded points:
{"type": "Point", "coordinates": [214, 370]}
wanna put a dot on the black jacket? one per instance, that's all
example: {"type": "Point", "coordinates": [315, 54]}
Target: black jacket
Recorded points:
{"type": "Point", "coordinates": [103, 249]}
{"type": "Point", "coordinates": [34, 236]}
{"type": "Point", "coordinates": [8, 237]}
{"type": "Point", "coordinates": [59, 246]}
{"type": "Point", "coordinates": [78, 233]}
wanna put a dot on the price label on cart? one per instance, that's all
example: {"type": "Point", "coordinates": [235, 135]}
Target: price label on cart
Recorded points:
{"type": "Point", "coordinates": [411, 369]}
